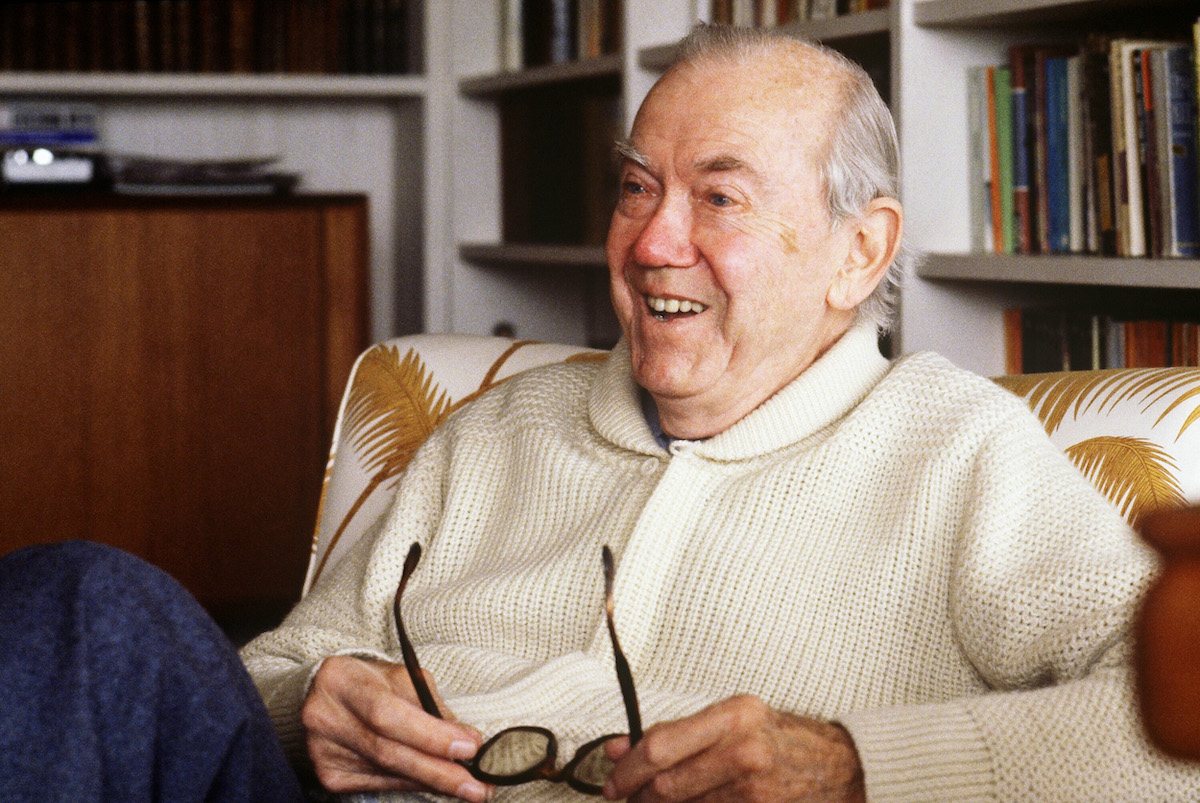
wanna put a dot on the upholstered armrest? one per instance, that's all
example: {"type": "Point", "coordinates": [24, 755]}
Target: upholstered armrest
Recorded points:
{"type": "Point", "coordinates": [399, 391]}
{"type": "Point", "coordinates": [1134, 432]}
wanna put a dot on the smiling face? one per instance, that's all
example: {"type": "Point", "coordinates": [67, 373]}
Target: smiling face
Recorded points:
{"type": "Point", "coordinates": [721, 252]}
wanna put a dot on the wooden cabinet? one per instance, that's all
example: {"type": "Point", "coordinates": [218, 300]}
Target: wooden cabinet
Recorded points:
{"type": "Point", "coordinates": [171, 373]}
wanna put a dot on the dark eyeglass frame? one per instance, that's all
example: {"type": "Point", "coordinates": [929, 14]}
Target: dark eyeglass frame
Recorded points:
{"type": "Point", "coordinates": [544, 770]}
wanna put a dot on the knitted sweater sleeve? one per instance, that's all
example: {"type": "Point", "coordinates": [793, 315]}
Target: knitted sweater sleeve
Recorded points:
{"type": "Point", "coordinates": [349, 611]}
{"type": "Point", "coordinates": [1045, 581]}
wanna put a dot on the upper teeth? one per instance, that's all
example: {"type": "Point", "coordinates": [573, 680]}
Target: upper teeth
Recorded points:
{"type": "Point", "coordinates": [673, 305]}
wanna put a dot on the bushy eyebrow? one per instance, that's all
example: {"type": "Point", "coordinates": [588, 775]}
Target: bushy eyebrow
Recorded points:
{"type": "Point", "coordinates": [721, 163]}
{"type": "Point", "coordinates": [626, 152]}
{"type": "Point", "coordinates": [725, 163]}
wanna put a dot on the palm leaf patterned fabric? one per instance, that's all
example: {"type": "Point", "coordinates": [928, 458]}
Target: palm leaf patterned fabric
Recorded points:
{"type": "Point", "coordinates": [1136, 474]}
{"type": "Point", "coordinates": [392, 406]}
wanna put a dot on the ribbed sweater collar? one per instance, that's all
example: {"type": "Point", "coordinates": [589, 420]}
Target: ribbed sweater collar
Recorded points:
{"type": "Point", "coordinates": [825, 392]}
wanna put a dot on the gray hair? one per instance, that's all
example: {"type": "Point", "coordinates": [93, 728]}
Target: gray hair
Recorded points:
{"type": "Point", "coordinates": [862, 161]}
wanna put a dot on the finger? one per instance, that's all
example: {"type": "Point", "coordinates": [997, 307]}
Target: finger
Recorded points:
{"type": "Point", "coordinates": [713, 774]}
{"type": "Point", "coordinates": [616, 747]}
{"type": "Point", "coordinates": [342, 770]}
{"type": "Point", "coordinates": [380, 696]}
{"type": "Point", "coordinates": [350, 755]}
{"type": "Point", "coordinates": [667, 745]}
{"type": "Point", "coordinates": [355, 708]}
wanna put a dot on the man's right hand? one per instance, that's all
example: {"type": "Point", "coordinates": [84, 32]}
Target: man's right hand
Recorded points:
{"type": "Point", "coordinates": [367, 731]}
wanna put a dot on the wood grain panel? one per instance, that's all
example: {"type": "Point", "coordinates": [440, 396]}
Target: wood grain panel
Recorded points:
{"type": "Point", "coordinates": [168, 374]}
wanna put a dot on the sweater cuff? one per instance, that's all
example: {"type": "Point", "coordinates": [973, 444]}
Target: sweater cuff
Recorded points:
{"type": "Point", "coordinates": [286, 695]}
{"type": "Point", "coordinates": [922, 753]}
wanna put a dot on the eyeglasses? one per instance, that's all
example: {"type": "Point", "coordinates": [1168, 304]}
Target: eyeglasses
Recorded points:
{"type": "Point", "coordinates": [527, 753]}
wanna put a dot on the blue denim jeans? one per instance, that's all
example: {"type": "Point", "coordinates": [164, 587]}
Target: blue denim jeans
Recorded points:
{"type": "Point", "coordinates": [116, 686]}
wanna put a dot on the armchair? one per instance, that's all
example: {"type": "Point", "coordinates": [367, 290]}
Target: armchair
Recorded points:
{"type": "Point", "coordinates": [1134, 432]}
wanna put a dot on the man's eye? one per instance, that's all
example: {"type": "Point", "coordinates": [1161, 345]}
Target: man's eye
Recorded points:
{"type": "Point", "coordinates": [632, 188]}
{"type": "Point", "coordinates": [717, 199]}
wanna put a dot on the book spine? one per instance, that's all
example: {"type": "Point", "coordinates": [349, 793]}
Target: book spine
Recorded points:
{"type": "Point", "coordinates": [1041, 169]}
{"type": "Point", "coordinates": [1120, 146]}
{"type": "Point", "coordinates": [981, 128]}
{"type": "Point", "coordinates": [996, 233]}
{"type": "Point", "coordinates": [1180, 131]}
{"type": "Point", "coordinates": [1022, 209]}
{"type": "Point", "coordinates": [1147, 153]}
{"type": "Point", "coordinates": [1004, 162]}
{"type": "Point", "coordinates": [1077, 154]}
{"type": "Point", "coordinates": [1056, 159]}
{"type": "Point", "coordinates": [1100, 132]}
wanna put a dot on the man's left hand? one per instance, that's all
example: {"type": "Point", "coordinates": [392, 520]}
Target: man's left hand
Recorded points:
{"type": "Point", "coordinates": [738, 749]}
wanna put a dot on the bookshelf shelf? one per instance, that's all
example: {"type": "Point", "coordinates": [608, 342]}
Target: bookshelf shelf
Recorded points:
{"type": "Point", "coordinates": [534, 255]}
{"type": "Point", "coordinates": [1065, 269]}
{"type": "Point", "coordinates": [980, 13]}
{"type": "Point", "coordinates": [875, 23]}
{"type": "Point", "coordinates": [190, 85]}
{"type": "Point", "coordinates": [500, 83]}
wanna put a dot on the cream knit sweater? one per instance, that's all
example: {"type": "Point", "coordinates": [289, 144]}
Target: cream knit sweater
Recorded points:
{"type": "Point", "coordinates": [895, 546]}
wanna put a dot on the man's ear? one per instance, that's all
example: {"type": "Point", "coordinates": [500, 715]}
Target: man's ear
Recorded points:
{"type": "Point", "coordinates": [873, 241]}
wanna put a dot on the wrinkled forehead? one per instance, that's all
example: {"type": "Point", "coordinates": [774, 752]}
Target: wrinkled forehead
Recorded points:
{"type": "Point", "coordinates": [778, 103]}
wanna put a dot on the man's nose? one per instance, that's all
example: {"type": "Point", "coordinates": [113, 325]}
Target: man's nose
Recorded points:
{"type": "Point", "coordinates": [666, 239]}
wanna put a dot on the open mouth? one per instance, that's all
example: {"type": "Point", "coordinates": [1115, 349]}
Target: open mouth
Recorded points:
{"type": "Point", "coordinates": [664, 308]}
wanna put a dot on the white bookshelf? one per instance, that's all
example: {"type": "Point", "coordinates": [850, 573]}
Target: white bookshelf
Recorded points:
{"type": "Point", "coordinates": [955, 303]}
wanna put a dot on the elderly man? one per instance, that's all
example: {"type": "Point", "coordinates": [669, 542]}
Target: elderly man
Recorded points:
{"type": "Point", "coordinates": [835, 577]}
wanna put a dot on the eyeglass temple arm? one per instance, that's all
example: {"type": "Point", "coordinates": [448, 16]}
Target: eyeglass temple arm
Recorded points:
{"type": "Point", "coordinates": [406, 648]}
{"type": "Point", "coordinates": [624, 676]}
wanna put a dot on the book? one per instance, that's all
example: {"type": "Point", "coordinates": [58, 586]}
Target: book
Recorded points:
{"type": "Point", "coordinates": [1146, 344]}
{"type": "Point", "coordinates": [1041, 339]}
{"type": "Point", "coordinates": [547, 32]}
{"type": "Point", "coordinates": [995, 233]}
{"type": "Point", "coordinates": [1043, 112]}
{"type": "Point", "coordinates": [1006, 233]}
{"type": "Point", "coordinates": [1147, 151]}
{"type": "Point", "coordinates": [1020, 62]}
{"type": "Point", "coordinates": [822, 9]}
{"type": "Point", "coordinates": [1056, 158]}
{"type": "Point", "coordinates": [59, 124]}
{"type": "Point", "coordinates": [599, 27]}
{"type": "Point", "coordinates": [512, 56]}
{"type": "Point", "coordinates": [1079, 203]}
{"type": "Point", "coordinates": [980, 127]}
{"type": "Point", "coordinates": [149, 175]}
{"type": "Point", "coordinates": [1130, 219]}
{"type": "Point", "coordinates": [1177, 166]}
{"type": "Point", "coordinates": [1097, 91]}
{"type": "Point", "coordinates": [743, 13]}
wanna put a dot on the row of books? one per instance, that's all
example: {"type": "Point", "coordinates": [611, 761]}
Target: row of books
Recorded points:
{"type": "Point", "coordinates": [538, 32]}
{"type": "Point", "coordinates": [1037, 340]}
{"type": "Point", "coordinates": [768, 13]}
{"type": "Point", "coordinates": [1088, 149]}
{"type": "Point", "coordinates": [242, 36]}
